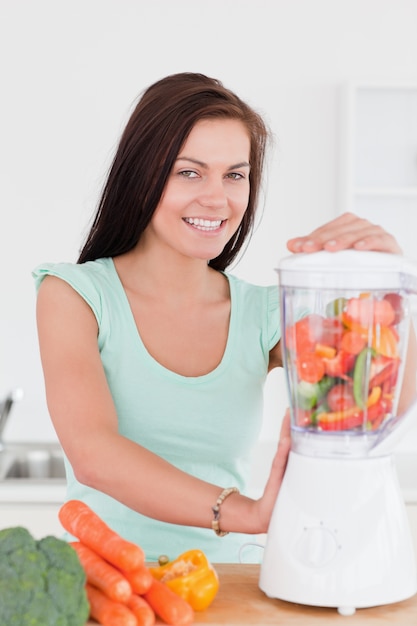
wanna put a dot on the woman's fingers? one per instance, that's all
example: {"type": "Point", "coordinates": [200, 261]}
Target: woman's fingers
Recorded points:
{"type": "Point", "coordinates": [265, 505]}
{"type": "Point", "coordinates": [346, 231]}
{"type": "Point", "coordinates": [284, 445]}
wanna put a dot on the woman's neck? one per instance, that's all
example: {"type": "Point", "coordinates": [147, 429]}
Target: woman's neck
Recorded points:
{"type": "Point", "coordinates": [169, 276]}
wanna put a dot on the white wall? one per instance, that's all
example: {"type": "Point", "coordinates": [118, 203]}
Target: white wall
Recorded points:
{"type": "Point", "coordinates": [70, 74]}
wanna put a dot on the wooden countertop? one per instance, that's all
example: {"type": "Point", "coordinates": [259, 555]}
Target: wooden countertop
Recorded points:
{"type": "Point", "coordinates": [240, 601]}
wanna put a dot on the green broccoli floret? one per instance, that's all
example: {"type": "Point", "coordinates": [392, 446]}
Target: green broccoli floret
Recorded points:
{"type": "Point", "coordinates": [42, 582]}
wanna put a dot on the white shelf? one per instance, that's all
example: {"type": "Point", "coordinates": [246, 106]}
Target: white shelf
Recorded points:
{"type": "Point", "coordinates": [379, 158]}
{"type": "Point", "coordinates": [408, 192]}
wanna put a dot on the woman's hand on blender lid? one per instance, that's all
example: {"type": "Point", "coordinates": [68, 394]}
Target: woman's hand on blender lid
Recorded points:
{"type": "Point", "coordinates": [343, 232]}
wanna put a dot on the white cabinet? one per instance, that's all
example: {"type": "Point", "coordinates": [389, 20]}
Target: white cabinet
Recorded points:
{"type": "Point", "coordinates": [378, 176]}
{"type": "Point", "coordinates": [32, 504]}
{"type": "Point", "coordinates": [40, 520]}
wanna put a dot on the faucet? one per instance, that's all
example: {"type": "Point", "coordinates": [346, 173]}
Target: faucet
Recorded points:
{"type": "Point", "coordinates": [5, 408]}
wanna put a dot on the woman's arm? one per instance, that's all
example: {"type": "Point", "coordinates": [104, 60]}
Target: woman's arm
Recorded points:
{"type": "Point", "coordinates": [85, 419]}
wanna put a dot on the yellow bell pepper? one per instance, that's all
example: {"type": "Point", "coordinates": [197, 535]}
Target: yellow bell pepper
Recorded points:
{"type": "Point", "coordinates": [191, 576]}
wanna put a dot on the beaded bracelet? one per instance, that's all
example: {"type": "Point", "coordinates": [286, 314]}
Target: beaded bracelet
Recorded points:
{"type": "Point", "coordinates": [215, 524]}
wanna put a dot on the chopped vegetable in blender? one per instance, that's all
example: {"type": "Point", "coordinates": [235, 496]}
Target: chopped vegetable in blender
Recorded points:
{"type": "Point", "coordinates": [347, 363]}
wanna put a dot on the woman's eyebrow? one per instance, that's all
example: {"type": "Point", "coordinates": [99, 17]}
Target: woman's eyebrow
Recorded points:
{"type": "Point", "coordinates": [202, 164]}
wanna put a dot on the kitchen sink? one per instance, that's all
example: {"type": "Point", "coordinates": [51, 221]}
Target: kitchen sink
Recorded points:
{"type": "Point", "coordinates": [32, 462]}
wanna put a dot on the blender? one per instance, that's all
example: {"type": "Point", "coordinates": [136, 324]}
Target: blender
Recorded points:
{"type": "Point", "coordinates": [339, 534]}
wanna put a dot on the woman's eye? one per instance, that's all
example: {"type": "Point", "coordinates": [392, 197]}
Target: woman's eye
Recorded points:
{"type": "Point", "coordinates": [188, 173]}
{"type": "Point", "coordinates": [235, 175]}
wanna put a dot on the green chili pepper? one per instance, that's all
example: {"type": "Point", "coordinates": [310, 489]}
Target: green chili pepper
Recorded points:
{"type": "Point", "coordinates": [361, 377]}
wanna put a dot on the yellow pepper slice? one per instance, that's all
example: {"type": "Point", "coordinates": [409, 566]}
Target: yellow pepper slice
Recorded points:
{"type": "Point", "coordinates": [326, 352]}
{"type": "Point", "coordinates": [192, 577]}
{"type": "Point", "coordinates": [385, 342]}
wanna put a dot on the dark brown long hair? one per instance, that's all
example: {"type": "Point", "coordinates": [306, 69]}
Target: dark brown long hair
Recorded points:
{"type": "Point", "coordinates": [147, 151]}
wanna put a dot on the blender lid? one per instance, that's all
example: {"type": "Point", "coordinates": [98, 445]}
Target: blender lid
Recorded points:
{"type": "Point", "coordinates": [348, 269]}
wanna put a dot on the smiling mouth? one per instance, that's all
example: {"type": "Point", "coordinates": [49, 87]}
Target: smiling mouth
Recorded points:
{"type": "Point", "coordinates": [201, 224]}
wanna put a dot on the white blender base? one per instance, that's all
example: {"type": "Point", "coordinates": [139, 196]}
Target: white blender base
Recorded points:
{"type": "Point", "coordinates": [339, 535]}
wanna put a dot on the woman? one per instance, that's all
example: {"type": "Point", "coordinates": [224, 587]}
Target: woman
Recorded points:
{"type": "Point", "coordinates": [154, 357]}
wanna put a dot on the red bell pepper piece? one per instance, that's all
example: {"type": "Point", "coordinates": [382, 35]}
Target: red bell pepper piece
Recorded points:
{"type": "Point", "coordinates": [340, 365]}
{"type": "Point", "coordinates": [388, 373]}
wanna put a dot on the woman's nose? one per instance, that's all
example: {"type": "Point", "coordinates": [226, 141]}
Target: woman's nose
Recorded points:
{"type": "Point", "coordinates": [213, 194]}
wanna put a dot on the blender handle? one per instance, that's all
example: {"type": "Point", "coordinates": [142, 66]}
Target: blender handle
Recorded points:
{"type": "Point", "coordinates": [393, 431]}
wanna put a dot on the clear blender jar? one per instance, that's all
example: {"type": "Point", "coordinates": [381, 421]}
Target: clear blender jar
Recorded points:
{"type": "Point", "coordinates": [346, 320]}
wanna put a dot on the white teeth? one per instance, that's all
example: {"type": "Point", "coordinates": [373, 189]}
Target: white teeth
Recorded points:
{"type": "Point", "coordinates": [203, 224]}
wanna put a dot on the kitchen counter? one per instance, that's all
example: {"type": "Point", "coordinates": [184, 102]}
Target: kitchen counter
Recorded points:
{"type": "Point", "coordinates": [240, 601]}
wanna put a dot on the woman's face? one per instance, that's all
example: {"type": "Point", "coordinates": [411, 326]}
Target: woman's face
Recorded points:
{"type": "Point", "coordinates": [207, 191]}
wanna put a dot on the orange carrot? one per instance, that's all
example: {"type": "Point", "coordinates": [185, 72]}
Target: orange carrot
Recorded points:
{"type": "Point", "coordinates": [140, 579]}
{"type": "Point", "coordinates": [170, 607]}
{"type": "Point", "coordinates": [108, 612]}
{"type": "Point", "coordinates": [102, 575]}
{"type": "Point", "coordinates": [142, 610]}
{"type": "Point", "coordinates": [84, 524]}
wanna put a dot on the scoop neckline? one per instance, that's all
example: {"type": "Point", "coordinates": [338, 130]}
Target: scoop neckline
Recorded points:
{"type": "Point", "coordinates": [217, 371]}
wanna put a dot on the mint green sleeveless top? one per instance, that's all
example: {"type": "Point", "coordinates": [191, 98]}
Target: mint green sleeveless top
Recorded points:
{"type": "Point", "coordinates": [206, 425]}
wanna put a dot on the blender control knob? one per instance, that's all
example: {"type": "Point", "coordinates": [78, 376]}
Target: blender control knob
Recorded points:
{"type": "Point", "coordinates": [317, 546]}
